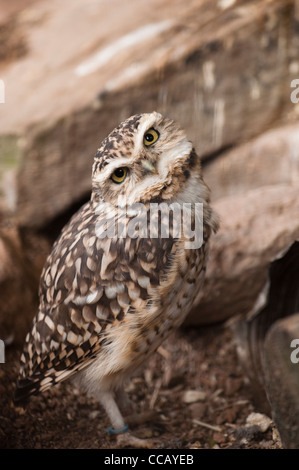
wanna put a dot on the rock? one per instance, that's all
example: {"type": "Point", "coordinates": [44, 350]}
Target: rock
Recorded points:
{"type": "Point", "coordinates": [280, 366]}
{"type": "Point", "coordinates": [268, 345]}
{"type": "Point", "coordinates": [8, 9]}
{"type": "Point", "coordinates": [192, 396]}
{"type": "Point", "coordinates": [12, 40]}
{"type": "Point", "coordinates": [232, 385]}
{"type": "Point", "coordinates": [219, 438]}
{"type": "Point", "coordinates": [198, 410]}
{"type": "Point", "coordinates": [21, 261]}
{"type": "Point", "coordinates": [255, 228]}
{"type": "Point", "coordinates": [94, 414]}
{"type": "Point", "coordinates": [272, 158]}
{"type": "Point", "coordinates": [260, 420]}
{"type": "Point", "coordinates": [229, 415]}
{"type": "Point", "coordinates": [194, 69]}
{"type": "Point", "coordinates": [15, 290]}
{"type": "Point", "coordinates": [241, 182]}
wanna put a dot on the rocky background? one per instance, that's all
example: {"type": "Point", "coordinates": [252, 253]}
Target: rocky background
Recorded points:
{"type": "Point", "coordinates": [225, 69]}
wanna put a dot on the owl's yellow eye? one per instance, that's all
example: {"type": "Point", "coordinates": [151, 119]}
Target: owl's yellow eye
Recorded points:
{"type": "Point", "coordinates": [119, 175]}
{"type": "Point", "coordinates": [150, 137]}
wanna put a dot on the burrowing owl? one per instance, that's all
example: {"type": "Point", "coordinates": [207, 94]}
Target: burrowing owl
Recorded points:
{"type": "Point", "coordinates": [108, 298]}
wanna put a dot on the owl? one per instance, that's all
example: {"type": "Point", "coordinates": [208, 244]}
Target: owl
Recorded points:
{"type": "Point", "coordinates": [117, 281]}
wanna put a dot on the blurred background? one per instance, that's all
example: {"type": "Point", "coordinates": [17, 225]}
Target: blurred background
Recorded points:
{"type": "Point", "coordinates": [224, 69]}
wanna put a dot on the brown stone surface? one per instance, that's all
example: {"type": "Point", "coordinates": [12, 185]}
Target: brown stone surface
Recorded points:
{"type": "Point", "coordinates": [271, 158]}
{"type": "Point", "coordinates": [267, 341]}
{"type": "Point", "coordinates": [255, 228]}
{"type": "Point", "coordinates": [281, 363]}
{"type": "Point", "coordinates": [211, 65]}
{"type": "Point", "coordinates": [21, 261]}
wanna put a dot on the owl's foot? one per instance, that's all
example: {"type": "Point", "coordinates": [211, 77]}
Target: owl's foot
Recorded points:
{"type": "Point", "coordinates": [128, 440]}
{"type": "Point", "coordinates": [119, 427]}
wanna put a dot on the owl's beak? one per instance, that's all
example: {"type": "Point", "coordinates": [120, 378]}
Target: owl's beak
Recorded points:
{"type": "Point", "coordinates": [148, 166]}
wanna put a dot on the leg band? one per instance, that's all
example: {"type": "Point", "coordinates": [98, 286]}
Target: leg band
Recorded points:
{"type": "Point", "coordinates": [117, 431]}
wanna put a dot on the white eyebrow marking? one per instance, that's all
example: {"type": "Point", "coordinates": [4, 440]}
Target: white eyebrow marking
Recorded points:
{"type": "Point", "coordinates": [112, 165]}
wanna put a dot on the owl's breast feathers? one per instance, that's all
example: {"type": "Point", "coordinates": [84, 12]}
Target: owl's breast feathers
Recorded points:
{"type": "Point", "coordinates": [97, 291]}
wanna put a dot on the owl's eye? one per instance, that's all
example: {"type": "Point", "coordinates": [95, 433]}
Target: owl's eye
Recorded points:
{"type": "Point", "coordinates": [119, 175]}
{"type": "Point", "coordinates": [150, 137]}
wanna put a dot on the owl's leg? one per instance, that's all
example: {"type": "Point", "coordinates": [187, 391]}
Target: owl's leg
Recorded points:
{"type": "Point", "coordinates": [108, 402]}
{"type": "Point", "coordinates": [119, 428]}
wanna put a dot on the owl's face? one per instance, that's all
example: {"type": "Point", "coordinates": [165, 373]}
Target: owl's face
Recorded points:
{"type": "Point", "coordinates": [145, 158]}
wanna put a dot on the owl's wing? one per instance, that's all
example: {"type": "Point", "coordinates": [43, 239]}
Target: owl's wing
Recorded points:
{"type": "Point", "coordinates": [88, 285]}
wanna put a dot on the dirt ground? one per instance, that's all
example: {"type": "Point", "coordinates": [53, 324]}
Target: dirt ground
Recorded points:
{"type": "Point", "coordinates": [202, 360]}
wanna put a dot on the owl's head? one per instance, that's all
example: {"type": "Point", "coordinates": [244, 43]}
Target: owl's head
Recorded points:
{"type": "Point", "coordinates": [147, 157]}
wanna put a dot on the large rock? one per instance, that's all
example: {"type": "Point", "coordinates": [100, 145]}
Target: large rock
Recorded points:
{"type": "Point", "coordinates": [221, 68]}
{"type": "Point", "coordinates": [267, 340]}
{"type": "Point", "coordinates": [255, 228]}
{"type": "Point", "coordinates": [21, 261]}
{"type": "Point", "coordinates": [280, 365]}
{"type": "Point", "coordinates": [254, 189]}
{"type": "Point", "coordinates": [272, 158]}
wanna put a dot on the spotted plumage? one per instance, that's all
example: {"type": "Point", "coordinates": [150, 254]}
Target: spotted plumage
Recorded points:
{"type": "Point", "coordinates": [108, 299]}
